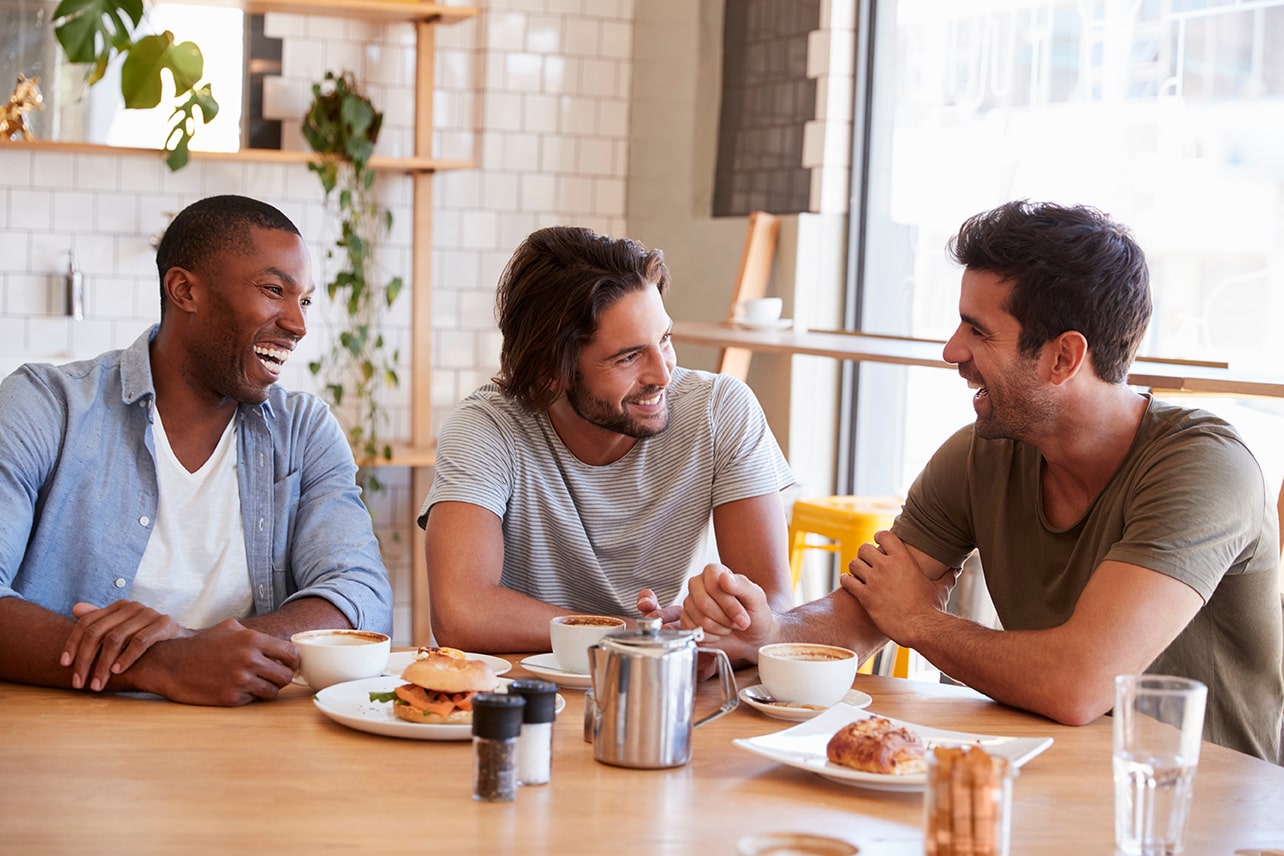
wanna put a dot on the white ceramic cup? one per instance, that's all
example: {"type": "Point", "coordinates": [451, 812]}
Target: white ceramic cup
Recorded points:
{"type": "Point", "coordinates": [807, 673]}
{"type": "Point", "coordinates": [572, 635]}
{"type": "Point", "coordinates": [761, 310]}
{"type": "Point", "coordinates": [328, 657]}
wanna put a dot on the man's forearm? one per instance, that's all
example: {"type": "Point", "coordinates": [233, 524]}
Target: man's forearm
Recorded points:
{"type": "Point", "coordinates": [1034, 670]}
{"type": "Point", "coordinates": [306, 613]}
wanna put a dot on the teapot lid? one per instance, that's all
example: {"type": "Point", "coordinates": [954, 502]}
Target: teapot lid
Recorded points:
{"type": "Point", "coordinates": [652, 635]}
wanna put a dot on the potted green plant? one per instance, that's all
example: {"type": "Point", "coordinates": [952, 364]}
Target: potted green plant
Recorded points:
{"type": "Point", "coordinates": [97, 31]}
{"type": "Point", "coordinates": [342, 126]}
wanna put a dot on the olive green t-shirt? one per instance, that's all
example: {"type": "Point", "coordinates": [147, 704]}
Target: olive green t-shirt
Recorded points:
{"type": "Point", "coordinates": [1189, 501]}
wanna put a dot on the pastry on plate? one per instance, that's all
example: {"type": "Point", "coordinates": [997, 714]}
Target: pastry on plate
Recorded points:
{"type": "Point", "coordinates": [875, 745]}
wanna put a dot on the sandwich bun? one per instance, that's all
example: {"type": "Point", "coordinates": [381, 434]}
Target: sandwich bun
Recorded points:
{"type": "Point", "coordinates": [450, 674]}
{"type": "Point", "coordinates": [440, 689]}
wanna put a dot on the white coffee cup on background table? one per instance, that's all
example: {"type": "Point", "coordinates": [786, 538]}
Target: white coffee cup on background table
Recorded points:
{"type": "Point", "coordinates": [760, 310]}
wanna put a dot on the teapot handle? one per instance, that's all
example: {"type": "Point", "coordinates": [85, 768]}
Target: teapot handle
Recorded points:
{"type": "Point", "coordinates": [729, 697]}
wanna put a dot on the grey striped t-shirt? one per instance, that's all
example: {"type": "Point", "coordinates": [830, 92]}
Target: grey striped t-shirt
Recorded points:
{"type": "Point", "coordinates": [586, 537]}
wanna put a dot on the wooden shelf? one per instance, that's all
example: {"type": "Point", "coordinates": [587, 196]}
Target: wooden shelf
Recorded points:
{"type": "Point", "coordinates": [374, 10]}
{"type": "Point", "coordinates": [1192, 377]}
{"type": "Point", "coordinates": [408, 165]}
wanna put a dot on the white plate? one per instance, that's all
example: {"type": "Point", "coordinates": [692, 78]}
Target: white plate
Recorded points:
{"type": "Point", "coordinates": [349, 704]}
{"type": "Point", "coordinates": [754, 697]}
{"type": "Point", "coordinates": [778, 324]}
{"type": "Point", "coordinates": [545, 665]}
{"type": "Point", "coordinates": [803, 746]}
{"type": "Point", "coordinates": [398, 660]}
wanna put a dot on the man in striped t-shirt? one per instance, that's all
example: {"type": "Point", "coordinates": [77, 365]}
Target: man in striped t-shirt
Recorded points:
{"type": "Point", "coordinates": [594, 475]}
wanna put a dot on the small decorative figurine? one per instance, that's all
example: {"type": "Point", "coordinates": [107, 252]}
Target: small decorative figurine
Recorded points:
{"type": "Point", "coordinates": [25, 98]}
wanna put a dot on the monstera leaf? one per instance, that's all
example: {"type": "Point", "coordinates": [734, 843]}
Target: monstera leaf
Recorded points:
{"type": "Point", "coordinates": [94, 32]}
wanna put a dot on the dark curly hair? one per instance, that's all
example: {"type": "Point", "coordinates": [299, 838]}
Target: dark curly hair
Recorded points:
{"type": "Point", "coordinates": [1072, 268]}
{"type": "Point", "coordinates": [551, 298]}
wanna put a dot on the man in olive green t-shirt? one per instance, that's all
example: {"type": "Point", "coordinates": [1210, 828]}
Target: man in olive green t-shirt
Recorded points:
{"type": "Point", "coordinates": [1118, 534]}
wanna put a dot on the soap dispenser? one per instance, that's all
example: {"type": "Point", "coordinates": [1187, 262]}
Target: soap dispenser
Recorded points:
{"type": "Point", "coordinates": [74, 288]}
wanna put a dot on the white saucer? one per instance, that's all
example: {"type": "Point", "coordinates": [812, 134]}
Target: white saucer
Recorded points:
{"type": "Point", "coordinates": [778, 324]}
{"type": "Point", "coordinates": [545, 665]}
{"type": "Point", "coordinates": [754, 697]}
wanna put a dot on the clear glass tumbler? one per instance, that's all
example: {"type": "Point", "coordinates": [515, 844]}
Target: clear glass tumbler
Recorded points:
{"type": "Point", "coordinates": [1158, 724]}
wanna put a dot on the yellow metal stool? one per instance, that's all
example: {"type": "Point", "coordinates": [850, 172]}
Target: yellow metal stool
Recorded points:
{"type": "Point", "coordinates": [848, 522]}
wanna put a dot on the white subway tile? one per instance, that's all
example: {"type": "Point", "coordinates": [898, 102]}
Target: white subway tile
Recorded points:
{"type": "Point", "coordinates": [566, 7]}
{"type": "Point", "coordinates": [514, 227]}
{"type": "Point", "coordinates": [540, 113]}
{"type": "Point", "coordinates": [595, 156]}
{"type": "Point", "coordinates": [32, 209]}
{"type": "Point", "coordinates": [278, 25]}
{"type": "Point", "coordinates": [454, 69]}
{"type": "Point", "coordinates": [324, 29]}
{"type": "Point", "coordinates": [478, 229]}
{"type": "Point", "coordinates": [575, 194]}
{"type": "Point", "coordinates": [617, 40]}
{"type": "Point", "coordinates": [454, 349]}
{"type": "Point", "coordinates": [95, 172]}
{"type": "Point", "coordinates": [503, 111]}
{"type": "Point", "coordinates": [561, 75]}
{"type": "Point", "coordinates": [476, 309]}
{"type": "Point", "coordinates": [445, 392]}
{"type": "Point", "coordinates": [539, 192]}
{"type": "Point", "coordinates": [578, 115]}
{"type": "Point", "coordinates": [608, 196]}
{"type": "Point", "coordinates": [581, 37]}
{"type": "Point", "coordinates": [520, 151]}
{"type": "Point", "coordinates": [523, 72]}
{"type": "Point", "coordinates": [96, 253]}
{"type": "Point", "coordinates": [303, 59]}
{"type": "Point", "coordinates": [340, 56]}
{"type": "Point", "coordinates": [54, 169]}
{"type": "Point", "coordinates": [492, 151]}
{"type": "Point", "coordinates": [557, 155]}
{"type": "Point", "coordinates": [544, 34]}
{"type": "Point", "coordinates": [92, 336]}
{"type": "Point", "coordinates": [74, 211]}
{"type": "Point", "coordinates": [457, 145]}
{"type": "Point", "coordinates": [597, 77]}
{"type": "Point", "coordinates": [499, 191]}
{"type": "Point", "coordinates": [15, 251]}
{"type": "Point", "coordinates": [505, 31]}
{"type": "Point", "coordinates": [612, 118]}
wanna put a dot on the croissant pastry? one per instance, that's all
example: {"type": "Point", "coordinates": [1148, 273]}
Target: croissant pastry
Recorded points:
{"type": "Point", "coordinates": [875, 745]}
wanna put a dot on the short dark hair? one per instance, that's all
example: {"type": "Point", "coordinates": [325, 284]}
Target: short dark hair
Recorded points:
{"type": "Point", "coordinates": [211, 227]}
{"type": "Point", "coordinates": [1072, 268]}
{"type": "Point", "coordinates": [551, 298]}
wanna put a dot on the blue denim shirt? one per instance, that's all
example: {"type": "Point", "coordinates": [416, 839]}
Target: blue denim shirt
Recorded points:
{"type": "Point", "coordinates": [78, 492]}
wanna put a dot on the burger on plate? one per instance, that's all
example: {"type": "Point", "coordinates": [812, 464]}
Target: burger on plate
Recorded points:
{"type": "Point", "coordinates": [440, 689]}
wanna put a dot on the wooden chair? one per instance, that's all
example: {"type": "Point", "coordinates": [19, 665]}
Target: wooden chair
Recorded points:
{"type": "Point", "coordinates": [751, 283]}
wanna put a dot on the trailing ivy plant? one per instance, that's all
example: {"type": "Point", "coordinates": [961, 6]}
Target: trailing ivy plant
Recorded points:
{"type": "Point", "coordinates": [342, 126]}
{"type": "Point", "coordinates": [95, 32]}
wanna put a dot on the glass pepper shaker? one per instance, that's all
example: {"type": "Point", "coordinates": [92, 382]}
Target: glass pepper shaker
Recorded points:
{"type": "Point", "coordinates": [497, 722]}
{"type": "Point", "coordinates": [535, 743]}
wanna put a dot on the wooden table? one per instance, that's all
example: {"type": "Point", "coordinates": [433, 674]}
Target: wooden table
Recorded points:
{"type": "Point", "coordinates": [1166, 375]}
{"type": "Point", "coordinates": [103, 774]}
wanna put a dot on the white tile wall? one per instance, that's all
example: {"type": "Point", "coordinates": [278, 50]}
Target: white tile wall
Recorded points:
{"type": "Point", "coordinates": [535, 91]}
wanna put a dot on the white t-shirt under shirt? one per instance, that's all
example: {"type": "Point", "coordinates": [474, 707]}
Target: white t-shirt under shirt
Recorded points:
{"type": "Point", "coordinates": [587, 537]}
{"type": "Point", "coordinates": [194, 568]}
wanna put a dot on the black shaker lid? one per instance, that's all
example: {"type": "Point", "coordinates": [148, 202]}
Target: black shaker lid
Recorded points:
{"type": "Point", "coordinates": [497, 716]}
{"type": "Point", "coordinates": [541, 698]}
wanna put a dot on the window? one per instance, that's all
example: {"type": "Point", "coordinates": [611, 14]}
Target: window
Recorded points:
{"type": "Point", "coordinates": [1162, 112]}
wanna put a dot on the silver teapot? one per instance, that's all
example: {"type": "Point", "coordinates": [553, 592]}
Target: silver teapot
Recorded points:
{"type": "Point", "coordinates": [641, 710]}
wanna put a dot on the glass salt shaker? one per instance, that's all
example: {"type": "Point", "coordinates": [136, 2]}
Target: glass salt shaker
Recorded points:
{"type": "Point", "coordinates": [497, 722]}
{"type": "Point", "coordinates": [535, 744]}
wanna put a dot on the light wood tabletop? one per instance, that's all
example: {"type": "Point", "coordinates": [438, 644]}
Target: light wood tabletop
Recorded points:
{"type": "Point", "coordinates": [112, 774]}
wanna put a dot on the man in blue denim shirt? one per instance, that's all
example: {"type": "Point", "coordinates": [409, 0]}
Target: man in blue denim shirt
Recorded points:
{"type": "Point", "coordinates": [168, 515]}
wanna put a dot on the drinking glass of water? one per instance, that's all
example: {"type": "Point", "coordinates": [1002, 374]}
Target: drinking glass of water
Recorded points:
{"type": "Point", "coordinates": [1158, 723]}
